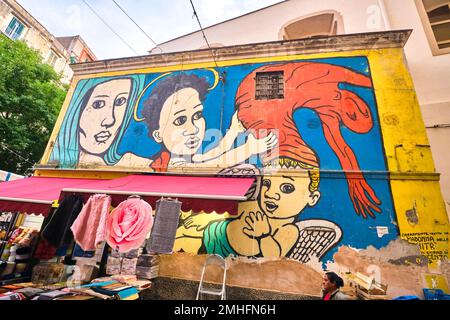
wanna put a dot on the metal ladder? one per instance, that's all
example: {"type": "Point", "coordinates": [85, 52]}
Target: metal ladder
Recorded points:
{"type": "Point", "coordinates": [211, 260]}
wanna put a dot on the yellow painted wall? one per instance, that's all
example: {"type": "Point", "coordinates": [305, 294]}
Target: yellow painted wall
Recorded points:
{"type": "Point", "coordinates": [409, 154]}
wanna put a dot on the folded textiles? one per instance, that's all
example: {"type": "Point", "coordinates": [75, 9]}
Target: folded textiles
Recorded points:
{"type": "Point", "coordinates": [140, 284]}
{"type": "Point", "coordinates": [99, 284]}
{"type": "Point", "coordinates": [47, 273]}
{"type": "Point", "coordinates": [128, 266]}
{"type": "Point", "coordinates": [131, 254]}
{"type": "Point", "coordinates": [124, 278]}
{"type": "Point", "coordinates": [118, 291]}
{"type": "Point", "coordinates": [15, 234]}
{"type": "Point", "coordinates": [8, 269]}
{"type": "Point", "coordinates": [22, 254]}
{"type": "Point", "coordinates": [25, 284]}
{"type": "Point", "coordinates": [6, 252]}
{"type": "Point", "coordinates": [52, 295]}
{"type": "Point", "coordinates": [102, 279]}
{"type": "Point", "coordinates": [20, 268]}
{"type": "Point", "coordinates": [3, 265]}
{"type": "Point", "coordinates": [77, 297]}
{"type": "Point", "coordinates": [26, 237]}
{"type": "Point", "coordinates": [147, 273]}
{"type": "Point", "coordinates": [130, 280]}
{"type": "Point", "coordinates": [111, 293]}
{"type": "Point", "coordinates": [121, 266]}
{"type": "Point", "coordinates": [12, 296]}
{"type": "Point", "coordinates": [54, 286]}
{"type": "Point", "coordinates": [128, 294]}
{"type": "Point", "coordinates": [113, 265]}
{"type": "Point", "coordinates": [90, 292]}
{"type": "Point", "coordinates": [30, 292]}
{"type": "Point", "coordinates": [147, 260]}
{"type": "Point", "coordinates": [147, 266]}
{"type": "Point", "coordinates": [12, 287]}
{"type": "Point", "coordinates": [113, 287]}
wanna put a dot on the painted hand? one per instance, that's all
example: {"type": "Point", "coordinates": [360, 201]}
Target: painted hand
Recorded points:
{"type": "Point", "coordinates": [236, 124]}
{"type": "Point", "coordinates": [257, 225]}
{"type": "Point", "coordinates": [261, 146]}
{"type": "Point", "coordinates": [359, 190]}
{"type": "Point", "coordinates": [198, 221]}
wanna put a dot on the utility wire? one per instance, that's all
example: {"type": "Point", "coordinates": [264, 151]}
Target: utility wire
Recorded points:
{"type": "Point", "coordinates": [13, 152]}
{"type": "Point", "coordinates": [98, 16]}
{"type": "Point", "coordinates": [204, 35]}
{"type": "Point", "coordinates": [137, 25]}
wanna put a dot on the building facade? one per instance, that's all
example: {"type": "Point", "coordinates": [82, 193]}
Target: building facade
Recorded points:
{"type": "Point", "coordinates": [342, 181]}
{"type": "Point", "coordinates": [427, 52]}
{"type": "Point", "coordinates": [78, 49]}
{"type": "Point", "coordinates": [17, 24]}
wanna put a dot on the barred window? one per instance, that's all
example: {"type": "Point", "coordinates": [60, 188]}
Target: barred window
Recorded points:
{"type": "Point", "coordinates": [269, 85]}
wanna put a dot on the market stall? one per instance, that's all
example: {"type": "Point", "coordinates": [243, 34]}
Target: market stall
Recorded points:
{"type": "Point", "coordinates": [101, 239]}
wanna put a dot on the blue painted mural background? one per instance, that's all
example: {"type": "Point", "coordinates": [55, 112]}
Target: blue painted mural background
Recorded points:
{"type": "Point", "coordinates": [335, 204]}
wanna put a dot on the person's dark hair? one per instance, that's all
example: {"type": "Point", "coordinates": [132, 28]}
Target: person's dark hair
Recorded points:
{"type": "Point", "coordinates": [334, 278]}
{"type": "Point", "coordinates": [164, 89]}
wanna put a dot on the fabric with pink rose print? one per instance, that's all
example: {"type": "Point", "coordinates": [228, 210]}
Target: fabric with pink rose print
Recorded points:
{"type": "Point", "coordinates": [128, 225]}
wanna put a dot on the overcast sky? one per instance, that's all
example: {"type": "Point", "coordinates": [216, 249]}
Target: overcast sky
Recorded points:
{"type": "Point", "coordinates": [161, 19]}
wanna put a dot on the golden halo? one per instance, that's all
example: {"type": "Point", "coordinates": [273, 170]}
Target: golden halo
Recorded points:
{"type": "Point", "coordinates": [135, 113]}
{"type": "Point", "coordinates": [136, 118]}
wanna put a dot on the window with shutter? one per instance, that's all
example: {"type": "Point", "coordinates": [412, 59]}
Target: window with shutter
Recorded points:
{"type": "Point", "coordinates": [435, 16]}
{"type": "Point", "coordinates": [14, 29]}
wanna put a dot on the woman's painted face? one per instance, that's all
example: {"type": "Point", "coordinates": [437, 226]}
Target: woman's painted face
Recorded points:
{"type": "Point", "coordinates": [181, 124]}
{"type": "Point", "coordinates": [285, 197]}
{"type": "Point", "coordinates": [103, 115]}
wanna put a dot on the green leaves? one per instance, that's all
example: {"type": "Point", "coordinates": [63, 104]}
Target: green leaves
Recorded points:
{"type": "Point", "coordinates": [31, 96]}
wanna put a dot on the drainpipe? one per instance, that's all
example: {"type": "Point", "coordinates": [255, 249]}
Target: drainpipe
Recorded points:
{"type": "Point", "coordinates": [381, 4]}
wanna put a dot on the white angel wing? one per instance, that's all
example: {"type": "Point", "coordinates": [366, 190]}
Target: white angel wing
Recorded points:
{"type": "Point", "coordinates": [316, 238]}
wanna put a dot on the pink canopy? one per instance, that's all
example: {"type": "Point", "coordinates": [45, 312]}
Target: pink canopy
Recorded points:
{"type": "Point", "coordinates": [220, 194]}
{"type": "Point", "coordinates": [35, 194]}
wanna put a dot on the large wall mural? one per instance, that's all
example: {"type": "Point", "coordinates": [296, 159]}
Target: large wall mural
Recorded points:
{"type": "Point", "coordinates": [308, 131]}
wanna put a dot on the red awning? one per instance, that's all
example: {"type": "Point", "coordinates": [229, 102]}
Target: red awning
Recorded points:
{"type": "Point", "coordinates": [35, 195]}
{"type": "Point", "coordinates": [220, 194]}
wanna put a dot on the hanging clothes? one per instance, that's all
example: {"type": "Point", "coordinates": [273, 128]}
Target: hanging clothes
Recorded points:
{"type": "Point", "coordinates": [89, 227]}
{"type": "Point", "coordinates": [128, 225]}
{"type": "Point", "coordinates": [56, 231]}
{"type": "Point", "coordinates": [163, 233]}
{"type": "Point", "coordinates": [78, 252]}
{"type": "Point", "coordinates": [44, 250]}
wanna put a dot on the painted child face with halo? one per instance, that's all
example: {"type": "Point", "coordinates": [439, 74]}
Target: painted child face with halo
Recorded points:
{"type": "Point", "coordinates": [181, 124]}
{"type": "Point", "coordinates": [174, 114]}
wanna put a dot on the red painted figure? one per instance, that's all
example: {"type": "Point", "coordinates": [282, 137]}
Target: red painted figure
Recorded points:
{"type": "Point", "coordinates": [314, 86]}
